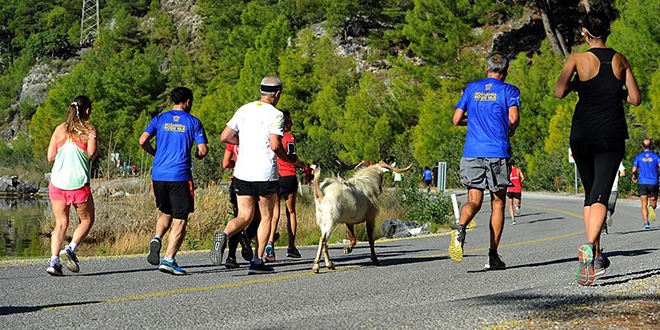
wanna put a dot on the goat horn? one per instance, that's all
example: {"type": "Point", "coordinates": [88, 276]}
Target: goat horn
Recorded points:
{"type": "Point", "coordinates": [392, 168]}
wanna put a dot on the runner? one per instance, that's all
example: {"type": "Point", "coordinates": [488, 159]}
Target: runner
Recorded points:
{"type": "Point", "coordinates": [514, 192]}
{"type": "Point", "coordinates": [288, 190]}
{"type": "Point", "coordinates": [598, 129]}
{"type": "Point", "coordinates": [647, 162]}
{"type": "Point", "coordinates": [71, 148]}
{"type": "Point", "coordinates": [257, 128]}
{"type": "Point", "coordinates": [244, 238]}
{"type": "Point", "coordinates": [611, 203]}
{"type": "Point", "coordinates": [176, 130]}
{"type": "Point", "coordinates": [489, 108]}
{"type": "Point", "coordinates": [427, 176]}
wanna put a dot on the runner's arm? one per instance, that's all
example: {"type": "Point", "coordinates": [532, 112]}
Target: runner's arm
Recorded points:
{"type": "Point", "coordinates": [460, 119]}
{"type": "Point", "coordinates": [145, 143]}
{"type": "Point", "coordinates": [562, 86]}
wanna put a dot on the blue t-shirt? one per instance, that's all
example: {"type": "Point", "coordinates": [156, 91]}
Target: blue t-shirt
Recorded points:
{"type": "Point", "coordinates": [428, 175]}
{"type": "Point", "coordinates": [175, 132]}
{"type": "Point", "coordinates": [647, 165]}
{"type": "Point", "coordinates": [487, 103]}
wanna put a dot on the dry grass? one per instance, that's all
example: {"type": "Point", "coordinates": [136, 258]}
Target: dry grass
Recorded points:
{"type": "Point", "coordinates": [125, 225]}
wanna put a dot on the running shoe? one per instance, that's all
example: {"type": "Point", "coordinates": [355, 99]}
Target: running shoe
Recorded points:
{"type": "Point", "coordinates": [647, 225]}
{"type": "Point", "coordinates": [600, 265]}
{"type": "Point", "coordinates": [605, 230]}
{"type": "Point", "coordinates": [456, 243]}
{"type": "Point", "coordinates": [585, 274]}
{"type": "Point", "coordinates": [54, 268]}
{"type": "Point", "coordinates": [293, 253]}
{"type": "Point", "coordinates": [608, 219]}
{"type": "Point", "coordinates": [154, 251]}
{"type": "Point", "coordinates": [652, 215]}
{"type": "Point", "coordinates": [218, 248]}
{"type": "Point", "coordinates": [495, 263]}
{"type": "Point", "coordinates": [246, 249]}
{"type": "Point", "coordinates": [171, 267]}
{"type": "Point", "coordinates": [231, 263]}
{"type": "Point", "coordinates": [260, 268]}
{"type": "Point", "coordinates": [513, 221]}
{"type": "Point", "coordinates": [270, 253]}
{"type": "Point", "coordinates": [68, 257]}
{"type": "Point", "coordinates": [516, 211]}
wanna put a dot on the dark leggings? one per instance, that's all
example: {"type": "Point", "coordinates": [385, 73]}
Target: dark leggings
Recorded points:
{"type": "Point", "coordinates": [598, 162]}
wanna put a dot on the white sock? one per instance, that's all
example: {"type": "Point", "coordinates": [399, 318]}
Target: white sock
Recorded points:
{"type": "Point", "coordinates": [168, 259]}
{"type": "Point", "coordinates": [158, 238]}
{"type": "Point", "coordinates": [257, 261]}
{"type": "Point", "coordinates": [57, 258]}
{"type": "Point", "coordinates": [73, 246]}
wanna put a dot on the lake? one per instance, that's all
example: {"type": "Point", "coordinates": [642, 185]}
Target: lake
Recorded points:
{"type": "Point", "coordinates": [20, 228]}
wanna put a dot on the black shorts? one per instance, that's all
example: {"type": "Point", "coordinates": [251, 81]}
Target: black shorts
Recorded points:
{"type": "Point", "coordinates": [232, 193]}
{"type": "Point", "coordinates": [175, 198]}
{"type": "Point", "coordinates": [288, 185]}
{"type": "Point", "coordinates": [647, 190]}
{"type": "Point", "coordinates": [258, 188]}
{"type": "Point", "coordinates": [513, 195]}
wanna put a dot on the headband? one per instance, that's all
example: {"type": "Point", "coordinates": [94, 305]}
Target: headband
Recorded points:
{"type": "Point", "coordinates": [271, 89]}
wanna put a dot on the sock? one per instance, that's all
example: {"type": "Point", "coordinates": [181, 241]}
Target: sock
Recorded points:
{"type": "Point", "coordinates": [168, 259]}
{"type": "Point", "coordinates": [157, 238]}
{"type": "Point", "coordinates": [492, 253]}
{"type": "Point", "coordinates": [270, 243]}
{"type": "Point", "coordinates": [73, 246]}
{"type": "Point", "coordinates": [55, 258]}
{"type": "Point", "coordinates": [257, 261]}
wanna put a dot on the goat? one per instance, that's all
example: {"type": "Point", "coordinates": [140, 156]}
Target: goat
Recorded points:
{"type": "Point", "coordinates": [348, 201]}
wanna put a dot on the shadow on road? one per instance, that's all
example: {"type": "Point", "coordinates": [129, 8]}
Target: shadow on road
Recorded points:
{"type": "Point", "coordinates": [8, 310]}
{"type": "Point", "coordinates": [632, 276]}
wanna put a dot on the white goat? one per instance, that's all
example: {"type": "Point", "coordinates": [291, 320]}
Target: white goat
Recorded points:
{"type": "Point", "coordinates": [349, 201]}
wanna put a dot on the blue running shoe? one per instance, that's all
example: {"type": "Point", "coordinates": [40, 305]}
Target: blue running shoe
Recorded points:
{"type": "Point", "coordinates": [154, 251]}
{"type": "Point", "coordinates": [68, 257]}
{"type": "Point", "coordinates": [270, 253]}
{"type": "Point", "coordinates": [54, 268]}
{"type": "Point", "coordinates": [260, 268]}
{"type": "Point", "coordinates": [647, 225]}
{"type": "Point", "coordinates": [171, 267]}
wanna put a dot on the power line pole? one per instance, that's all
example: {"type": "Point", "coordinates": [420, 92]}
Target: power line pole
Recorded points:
{"type": "Point", "coordinates": [89, 23]}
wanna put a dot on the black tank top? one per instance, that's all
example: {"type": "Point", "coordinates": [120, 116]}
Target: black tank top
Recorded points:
{"type": "Point", "coordinates": [599, 112]}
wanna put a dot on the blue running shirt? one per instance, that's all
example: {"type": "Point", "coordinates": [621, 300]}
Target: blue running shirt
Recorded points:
{"type": "Point", "coordinates": [175, 132]}
{"type": "Point", "coordinates": [487, 104]}
{"type": "Point", "coordinates": [647, 164]}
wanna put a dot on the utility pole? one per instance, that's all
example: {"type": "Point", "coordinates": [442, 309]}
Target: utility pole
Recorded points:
{"type": "Point", "coordinates": [89, 22]}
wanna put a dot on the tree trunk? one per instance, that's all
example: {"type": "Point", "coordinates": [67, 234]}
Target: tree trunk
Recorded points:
{"type": "Point", "coordinates": [549, 32]}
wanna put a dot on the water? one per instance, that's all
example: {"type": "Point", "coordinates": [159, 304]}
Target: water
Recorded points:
{"type": "Point", "coordinates": [20, 228]}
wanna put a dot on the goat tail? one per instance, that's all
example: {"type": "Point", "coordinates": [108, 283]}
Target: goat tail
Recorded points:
{"type": "Point", "coordinates": [318, 193]}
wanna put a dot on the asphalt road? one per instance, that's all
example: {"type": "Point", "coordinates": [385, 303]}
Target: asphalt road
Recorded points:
{"type": "Point", "coordinates": [417, 286]}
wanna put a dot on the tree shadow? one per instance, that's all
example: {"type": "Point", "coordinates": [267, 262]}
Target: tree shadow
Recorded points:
{"type": "Point", "coordinates": [631, 276]}
{"type": "Point", "coordinates": [9, 310]}
{"type": "Point", "coordinates": [541, 220]}
{"type": "Point", "coordinates": [636, 231]}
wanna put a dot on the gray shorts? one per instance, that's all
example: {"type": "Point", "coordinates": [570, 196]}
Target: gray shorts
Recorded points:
{"type": "Point", "coordinates": [486, 173]}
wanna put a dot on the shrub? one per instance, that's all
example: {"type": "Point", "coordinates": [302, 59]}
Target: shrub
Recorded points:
{"type": "Point", "coordinates": [424, 207]}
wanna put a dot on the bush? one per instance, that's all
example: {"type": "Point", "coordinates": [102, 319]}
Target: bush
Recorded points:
{"type": "Point", "coordinates": [424, 207]}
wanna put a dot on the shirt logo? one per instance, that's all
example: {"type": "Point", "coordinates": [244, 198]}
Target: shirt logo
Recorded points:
{"type": "Point", "coordinates": [489, 86]}
{"type": "Point", "coordinates": [176, 118]}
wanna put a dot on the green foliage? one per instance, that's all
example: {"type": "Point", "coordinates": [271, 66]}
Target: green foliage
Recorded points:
{"type": "Point", "coordinates": [424, 207]}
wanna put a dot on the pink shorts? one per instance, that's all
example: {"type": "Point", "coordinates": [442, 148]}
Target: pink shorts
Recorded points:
{"type": "Point", "coordinates": [77, 196]}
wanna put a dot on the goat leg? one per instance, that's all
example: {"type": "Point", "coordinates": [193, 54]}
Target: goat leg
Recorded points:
{"type": "Point", "coordinates": [315, 266]}
{"type": "Point", "coordinates": [370, 236]}
{"type": "Point", "coordinates": [351, 236]}
{"type": "Point", "coordinates": [328, 262]}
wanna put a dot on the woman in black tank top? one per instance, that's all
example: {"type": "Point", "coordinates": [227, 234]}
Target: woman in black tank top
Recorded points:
{"type": "Point", "coordinates": [598, 130]}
